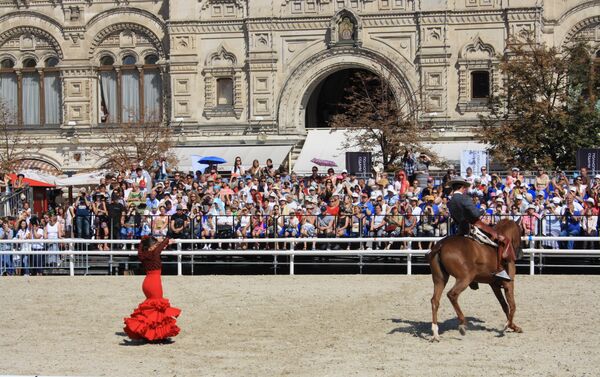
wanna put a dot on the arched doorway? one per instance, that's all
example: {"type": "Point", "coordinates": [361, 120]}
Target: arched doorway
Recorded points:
{"type": "Point", "coordinates": [328, 97]}
{"type": "Point", "coordinates": [304, 81]}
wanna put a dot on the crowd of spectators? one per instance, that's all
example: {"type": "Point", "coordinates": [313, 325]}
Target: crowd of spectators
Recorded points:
{"type": "Point", "coordinates": [262, 201]}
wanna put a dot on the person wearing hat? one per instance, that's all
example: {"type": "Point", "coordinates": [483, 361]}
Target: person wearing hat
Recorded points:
{"type": "Point", "coordinates": [464, 213]}
{"type": "Point", "coordinates": [530, 220]}
{"type": "Point", "coordinates": [590, 222]}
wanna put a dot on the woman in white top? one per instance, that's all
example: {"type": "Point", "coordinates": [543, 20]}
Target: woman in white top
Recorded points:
{"type": "Point", "coordinates": [22, 260]}
{"type": "Point", "coordinates": [238, 169]}
{"type": "Point", "coordinates": [38, 261]}
{"type": "Point", "coordinates": [53, 231]}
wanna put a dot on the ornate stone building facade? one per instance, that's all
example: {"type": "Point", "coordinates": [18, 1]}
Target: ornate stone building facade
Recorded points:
{"type": "Point", "coordinates": [234, 72]}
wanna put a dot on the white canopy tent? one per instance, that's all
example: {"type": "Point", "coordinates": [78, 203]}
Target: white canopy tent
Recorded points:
{"type": "Point", "coordinates": [82, 179]}
{"type": "Point", "coordinates": [188, 157]}
{"type": "Point", "coordinates": [323, 144]}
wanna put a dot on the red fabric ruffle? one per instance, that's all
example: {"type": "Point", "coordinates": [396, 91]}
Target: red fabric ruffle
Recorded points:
{"type": "Point", "coordinates": [153, 319]}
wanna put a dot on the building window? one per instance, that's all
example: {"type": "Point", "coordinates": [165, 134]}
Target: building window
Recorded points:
{"type": "Point", "coordinates": [135, 89]}
{"type": "Point", "coordinates": [224, 92]}
{"type": "Point", "coordinates": [33, 97]}
{"type": "Point", "coordinates": [480, 84]}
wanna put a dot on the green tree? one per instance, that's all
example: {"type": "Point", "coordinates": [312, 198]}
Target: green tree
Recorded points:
{"type": "Point", "coordinates": [546, 109]}
{"type": "Point", "coordinates": [377, 122]}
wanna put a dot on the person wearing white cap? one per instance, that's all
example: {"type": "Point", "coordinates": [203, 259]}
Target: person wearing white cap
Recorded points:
{"type": "Point", "coordinates": [465, 214]}
{"type": "Point", "coordinates": [529, 220]}
{"type": "Point", "coordinates": [590, 222]}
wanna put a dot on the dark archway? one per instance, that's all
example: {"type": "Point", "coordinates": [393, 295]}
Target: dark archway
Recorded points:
{"type": "Point", "coordinates": [327, 96]}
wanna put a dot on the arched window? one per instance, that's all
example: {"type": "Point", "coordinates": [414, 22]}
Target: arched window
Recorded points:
{"type": "Point", "coordinates": [33, 97]}
{"type": "Point", "coordinates": [135, 89]}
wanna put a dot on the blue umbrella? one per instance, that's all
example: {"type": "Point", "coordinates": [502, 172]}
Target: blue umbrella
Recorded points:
{"type": "Point", "coordinates": [211, 160]}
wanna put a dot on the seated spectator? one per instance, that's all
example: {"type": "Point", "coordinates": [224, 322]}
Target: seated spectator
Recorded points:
{"type": "Point", "coordinates": [179, 224]}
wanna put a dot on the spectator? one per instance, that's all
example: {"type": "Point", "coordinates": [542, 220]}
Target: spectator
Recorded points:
{"type": "Point", "coordinates": [83, 215]}
{"type": "Point", "coordinates": [179, 223]}
{"type": "Point", "coordinates": [6, 260]}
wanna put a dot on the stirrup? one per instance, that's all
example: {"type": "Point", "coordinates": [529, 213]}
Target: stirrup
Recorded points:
{"type": "Point", "coordinates": [502, 275]}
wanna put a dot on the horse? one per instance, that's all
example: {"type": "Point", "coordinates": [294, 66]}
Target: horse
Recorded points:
{"type": "Point", "coordinates": [471, 262]}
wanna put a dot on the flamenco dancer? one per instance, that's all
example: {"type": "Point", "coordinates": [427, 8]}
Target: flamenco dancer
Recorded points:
{"type": "Point", "coordinates": [154, 319]}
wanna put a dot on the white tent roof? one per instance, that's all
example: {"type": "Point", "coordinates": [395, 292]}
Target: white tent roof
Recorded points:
{"type": "Point", "coordinates": [82, 179]}
{"type": "Point", "coordinates": [188, 157]}
{"type": "Point", "coordinates": [323, 144]}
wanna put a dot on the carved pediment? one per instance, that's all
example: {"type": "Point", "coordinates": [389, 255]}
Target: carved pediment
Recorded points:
{"type": "Point", "coordinates": [477, 50]}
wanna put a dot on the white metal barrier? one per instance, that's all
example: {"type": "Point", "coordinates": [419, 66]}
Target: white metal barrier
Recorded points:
{"type": "Point", "coordinates": [531, 251]}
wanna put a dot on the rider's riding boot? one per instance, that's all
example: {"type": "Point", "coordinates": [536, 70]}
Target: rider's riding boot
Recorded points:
{"type": "Point", "coordinates": [500, 272]}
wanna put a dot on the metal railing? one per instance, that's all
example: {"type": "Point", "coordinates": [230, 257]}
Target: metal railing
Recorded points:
{"type": "Point", "coordinates": [75, 255]}
{"type": "Point", "coordinates": [12, 203]}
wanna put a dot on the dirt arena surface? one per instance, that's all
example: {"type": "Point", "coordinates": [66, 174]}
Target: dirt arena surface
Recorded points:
{"type": "Point", "coordinates": [344, 325]}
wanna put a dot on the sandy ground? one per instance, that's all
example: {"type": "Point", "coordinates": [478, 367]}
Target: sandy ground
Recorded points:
{"type": "Point", "coordinates": [298, 326]}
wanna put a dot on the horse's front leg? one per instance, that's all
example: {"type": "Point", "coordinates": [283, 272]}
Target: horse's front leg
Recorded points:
{"type": "Point", "coordinates": [509, 289]}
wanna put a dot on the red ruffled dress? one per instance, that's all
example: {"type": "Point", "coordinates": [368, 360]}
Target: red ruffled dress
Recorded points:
{"type": "Point", "coordinates": [154, 319]}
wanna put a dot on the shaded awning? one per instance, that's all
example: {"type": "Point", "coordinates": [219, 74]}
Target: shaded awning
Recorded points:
{"type": "Point", "coordinates": [323, 144]}
{"type": "Point", "coordinates": [36, 165]}
{"type": "Point", "coordinates": [31, 182]}
{"type": "Point", "coordinates": [82, 179]}
{"type": "Point", "coordinates": [188, 157]}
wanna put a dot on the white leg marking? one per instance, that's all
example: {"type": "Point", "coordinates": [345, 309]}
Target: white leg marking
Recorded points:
{"type": "Point", "coordinates": [436, 335]}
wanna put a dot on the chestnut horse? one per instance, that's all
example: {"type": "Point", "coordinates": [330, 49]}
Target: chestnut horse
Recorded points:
{"type": "Point", "coordinates": [472, 262]}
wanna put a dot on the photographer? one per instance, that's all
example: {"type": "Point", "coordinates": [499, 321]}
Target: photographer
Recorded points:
{"type": "Point", "coordinates": [83, 215]}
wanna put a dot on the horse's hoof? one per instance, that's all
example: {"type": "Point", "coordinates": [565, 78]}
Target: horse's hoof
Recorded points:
{"type": "Point", "coordinates": [462, 329]}
{"type": "Point", "coordinates": [517, 329]}
{"type": "Point", "coordinates": [435, 339]}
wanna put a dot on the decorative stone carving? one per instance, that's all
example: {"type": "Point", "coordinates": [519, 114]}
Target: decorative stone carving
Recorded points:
{"type": "Point", "coordinates": [475, 56]}
{"type": "Point", "coordinates": [345, 28]}
{"type": "Point", "coordinates": [222, 64]}
{"type": "Point", "coordinates": [223, 9]}
{"type": "Point", "coordinates": [30, 37]}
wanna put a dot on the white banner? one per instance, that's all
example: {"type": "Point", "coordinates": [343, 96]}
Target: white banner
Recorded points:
{"type": "Point", "coordinates": [473, 159]}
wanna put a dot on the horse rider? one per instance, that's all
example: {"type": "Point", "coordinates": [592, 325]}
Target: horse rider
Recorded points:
{"type": "Point", "coordinates": [464, 212]}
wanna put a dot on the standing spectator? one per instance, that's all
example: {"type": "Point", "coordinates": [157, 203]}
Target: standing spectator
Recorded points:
{"type": "Point", "coordinates": [409, 162]}
{"type": "Point", "coordinates": [6, 260]}
{"type": "Point", "coordinates": [115, 210]}
{"type": "Point", "coordinates": [551, 223]}
{"type": "Point", "coordinates": [22, 259]}
{"type": "Point", "coordinates": [590, 222]}
{"type": "Point", "coordinates": [53, 231]}
{"type": "Point", "coordinates": [83, 215]}
{"type": "Point", "coordinates": [38, 260]}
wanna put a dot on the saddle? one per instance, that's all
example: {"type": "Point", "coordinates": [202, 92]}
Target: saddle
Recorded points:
{"type": "Point", "coordinates": [479, 236]}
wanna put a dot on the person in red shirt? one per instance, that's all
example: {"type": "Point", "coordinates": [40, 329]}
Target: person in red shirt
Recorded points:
{"type": "Point", "coordinates": [333, 208]}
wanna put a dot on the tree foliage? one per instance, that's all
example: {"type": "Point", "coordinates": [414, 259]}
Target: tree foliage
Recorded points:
{"type": "Point", "coordinates": [546, 109]}
{"type": "Point", "coordinates": [15, 144]}
{"type": "Point", "coordinates": [141, 142]}
{"type": "Point", "coordinates": [375, 121]}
